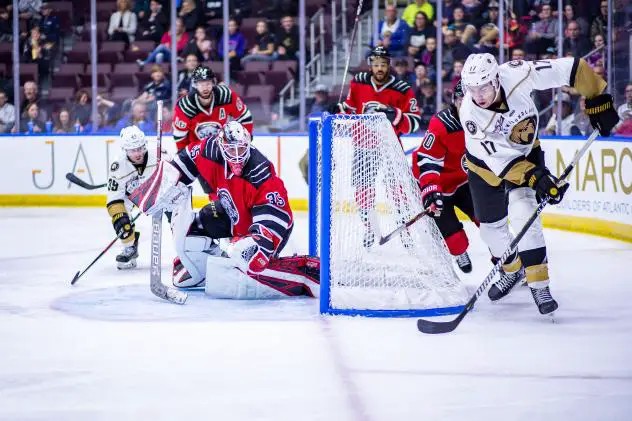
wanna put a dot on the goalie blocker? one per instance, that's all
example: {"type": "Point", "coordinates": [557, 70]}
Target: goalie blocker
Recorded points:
{"type": "Point", "coordinates": [249, 207]}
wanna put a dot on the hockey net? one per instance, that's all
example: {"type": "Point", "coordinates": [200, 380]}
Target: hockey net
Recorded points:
{"type": "Point", "coordinates": [365, 184]}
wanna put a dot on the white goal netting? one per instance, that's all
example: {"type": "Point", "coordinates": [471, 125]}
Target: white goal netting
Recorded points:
{"type": "Point", "coordinates": [372, 191]}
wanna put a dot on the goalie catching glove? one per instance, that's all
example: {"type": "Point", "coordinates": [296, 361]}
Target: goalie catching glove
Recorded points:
{"type": "Point", "coordinates": [602, 113]}
{"type": "Point", "coordinates": [252, 253]}
{"type": "Point", "coordinates": [546, 185]}
{"type": "Point", "coordinates": [432, 199]}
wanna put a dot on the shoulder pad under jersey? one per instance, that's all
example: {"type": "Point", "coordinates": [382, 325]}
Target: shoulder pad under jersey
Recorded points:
{"type": "Point", "coordinates": [211, 151]}
{"type": "Point", "coordinates": [188, 105]}
{"type": "Point", "coordinates": [223, 95]}
{"type": "Point", "coordinates": [258, 169]}
{"type": "Point", "coordinates": [450, 120]}
{"type": "Point", "coordinates": [363, 77]}
{"type": "Point", "coordinates": [399, 86]}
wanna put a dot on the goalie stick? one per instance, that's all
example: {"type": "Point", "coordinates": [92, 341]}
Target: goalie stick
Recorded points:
{"type": "Point", "coordinates": [351, 41]}
{"type": "Point", "coordinates": [157, 287]}
{"type": "Point", "coordinates": [79, 274]}
{"type": "Point", "coordinates": [76, 180]}
{"type": "Point", "coordinates": [429, 326]}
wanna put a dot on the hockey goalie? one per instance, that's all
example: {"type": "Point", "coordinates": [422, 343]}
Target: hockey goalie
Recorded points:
{"type": "Point", "coordinates": [248, 210]}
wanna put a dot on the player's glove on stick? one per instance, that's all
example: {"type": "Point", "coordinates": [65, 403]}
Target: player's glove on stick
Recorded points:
{"type": "Point", "coordinates": [336, 108]}
{"type": "Point", "coordinates": [122, 225]}
{"type": "Point", "coordinates": [546, 185]}
{"type": "Point", "coordinates": [432, 199]}
{"type": "Point", "coordinates": [393, 114]}
{"type": "Point", "coordinates": [602, 113]}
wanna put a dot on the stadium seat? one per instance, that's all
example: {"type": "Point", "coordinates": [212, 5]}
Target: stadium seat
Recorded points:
{"type": "Point", "coordinates": [80, 53]}
{"type": "Point", "coordinates": [67, 75]}
{"type": "Point", "coordinates": [60, 96]}
{"type": "Point", "coordinates": [111, 52]}
{"type": "Point", "coordinates": [239, 89]}
{"type": "Point", "coordinates": [250, 78]}
{"type": "Point", "coordinates": [278, 79]}
{"type": "Point", "coordinates": [29, 71]}
{"type": "Point", "coordinates": [120, 94]}
{"type": "Point", "coordinates": [285, 65]}
{"type": "Point", "coordinates": [105, 10]}
{"type": "Point", "coordinates": [257, 66]}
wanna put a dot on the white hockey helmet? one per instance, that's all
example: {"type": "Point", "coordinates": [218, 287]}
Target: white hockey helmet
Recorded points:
{"type": "Point", "coordinates": [479, 69]}
{"type": "Point", "coordinates": [234, 143]}
{"type": "Point", "coordinates": [132, 138]}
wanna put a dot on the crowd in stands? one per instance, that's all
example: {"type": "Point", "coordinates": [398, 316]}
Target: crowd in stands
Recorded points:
{"type": "Point", "coordinates": [135, 39]}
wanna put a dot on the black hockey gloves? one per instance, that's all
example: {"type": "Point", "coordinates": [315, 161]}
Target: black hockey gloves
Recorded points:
{"type": "Point", "coordinates": [335, 108]}
{"type": "Point", "coordinates": [393, 114]}
{"type": "Point", "coordinates": [122, 225]}
{"type": "Point", "coordinates": [602, 113]}
{"type": "Point", "coordinates": [545, 184]}
{"type": "Point", "coordinates": [432, 199]}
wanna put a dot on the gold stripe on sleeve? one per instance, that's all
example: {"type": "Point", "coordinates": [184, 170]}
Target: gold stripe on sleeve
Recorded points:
{"type": "Point", "coordinates": [487, 176]}
{"type": "Point", "coordinates": [587, 82]}
{"type": "Point", "coordinates": [517, 173]}
{"type": "Point", "coordinates": [116, 207]}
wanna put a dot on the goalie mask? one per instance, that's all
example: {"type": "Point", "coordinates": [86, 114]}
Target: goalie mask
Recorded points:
{"type": "Point", "coordinates": [203, 80]}
{"type": "Point", "coordinates": [134, 143]}
{"type": "Point", "coordinates": [234, 143]}
{"type": "Point", "coordinates": [480, 78]}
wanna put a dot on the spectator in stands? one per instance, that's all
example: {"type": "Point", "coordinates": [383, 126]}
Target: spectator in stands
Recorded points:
{"type": "Point", "coordinates": [542, 33]}
{"type": "Point", "coordinates": [152, 25]}
{"type": "Point", "coordinates": [7, 114]}
{"type": "Point", "coordinates": [426, 98]}
{"type": "Point", "coordinates": [393, 32]}
{"type": "Point", "coordinates": [492, 12]}
{"type": "Point", "coordinates": [429, 56]}
{"type": "Point", "coordinates": [6, 27]}
{"type": "Point", "coordinates": [35, 50]}
{"type": "Point", "coordinates": [314, 107]}
{"type": "Point", "coordinates": [189, 14]}
{"type": "Point", "coordinates": [199, 45]}
{"type": "Point", "coordinates": [402, 72]}
{"type": "Point", "coordinates": [31, 95]}
{"type": "Point", "coordinates": [599, 25]}
{"type": "Point", "coordinates": [136, 117]}
{"type": "Point", "coordinates": [597, 58]}
{"type": "Point", "coordinates": [448, 9]}
{"type": "Point", "coordinates": [63, 123]}
{"type": "Point", "coordinates": [82, 107]}
{"type": "Point", "coordinates": [574, 43]}
{"type": "Point", "coordinates": [241, 9]}
{"type": "Point", "coordinates": [411, 11]}
{"type": "Point", "coordinates": [167, 118]}
{"type": "Point", "coordinates": [263, 49]}
{"type": "Point", "coordinates": [123, 23]}
{"type": "Point", "coordinates": [421, 30]}
{"type": "Point", "coordinates": [517, 54]}
{"type": "Point", "coordinates": [488, 40]}
{"type": "Point", "coordinates": [474, 11]}
{"type": "Point", "coordinates": [141, 8]}
{"type": "Point", "coordinates": [29, 10]}
{"type": "Point", "coordinates": [421, 74]}
{"type": "Point", "coordinates": [287, 39]}
{"type": "Point", "coordinates": [624, 110]}
{"type": "Point", "coordinates": [49, 25]}
{"type": "Point", "coordinates": [236, 46]}
{"type": "Point", "coordinates": [31, 121]}
{"type": "Point", "coordinates": [455, 76]}
{"type": "Point", "coordinates": [213, 10]}
{"type": "Point", "coordinates": [184, 77]}
{"type": "Point", "coordinates": [571, 16]}
{"type": "Point", "coordinates": [455, 50]}
{"type": "Point", "coordinates": [568, 118]}
{"type": "Point", "coordinates": [162, 52]}
{"type": "Point", "coordinates": [582, 121]}
{"type": "Point", "coordinates": [159, 89]}
{"type": "Point", "coordinates": [600, 71]}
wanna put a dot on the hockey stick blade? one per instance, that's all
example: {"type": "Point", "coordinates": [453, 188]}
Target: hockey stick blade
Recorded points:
{"type": "Point", "coordinates": [401, 228]}
{"type": "Point", "coordinates": [75, 278]}
{"type": "Point", "coordinates": [76, 180]}
{"type": "Point", "coordinates": [433, 327]}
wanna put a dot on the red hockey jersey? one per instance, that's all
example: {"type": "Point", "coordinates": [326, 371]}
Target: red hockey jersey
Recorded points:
{"type": "Point", "coordinates": [193, 123]}
{"type": "Point", "coordinates": [255, 199]}
{"type": "Point", "coordinates": [440, 159]}
{"type": "Point", "coordinates": [363, 94]}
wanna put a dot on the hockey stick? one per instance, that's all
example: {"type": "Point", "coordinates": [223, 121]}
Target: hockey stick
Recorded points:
{"type": "Point", "coordinates": [76, 180]}
{"type": "Point", "coordinates": [79, 274]}
{"type": "Point", "coordinates": [389, 237]}
{"type": "Point", "coordinates": [157, 287]}
{"type": "Point", "coordinates": [353, 35]}
{"type": "Point", "coordinates": [428, 326]}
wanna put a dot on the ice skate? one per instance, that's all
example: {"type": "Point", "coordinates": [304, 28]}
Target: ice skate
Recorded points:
{"type": "Point", "coordinates": [464, 262]}
{"type": "Point", "coordinates": [543, 299]}
{"type": "Point", "coordinates": [127, 258]}
{"type": "Point", "coordinates": [504, 285]}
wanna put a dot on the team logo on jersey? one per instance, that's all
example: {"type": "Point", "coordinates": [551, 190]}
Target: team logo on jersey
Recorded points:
{"type": "Point", "coordinates": [114, 166]}
{"type": "Point", "coordinates": [515, 63]}
{"type": "Point", "coordinates": [207, 129]}
{"type": "Point", "coordinates": [239, 104]}
{"type": "Point", "coordinates": [372, 106]}
{"type": "Point", "coordinates": [470, 126]}
{"type": "Point", "coordinates": [523, 133]}
{"type": "Point", "coordinates": [464, 163]}
{"type": "Point", "coordinates": [180, 124]}
{"type": "Point", "coordinates": [195, 151]}
{"type": "Point", "coordinates": [229, 205]}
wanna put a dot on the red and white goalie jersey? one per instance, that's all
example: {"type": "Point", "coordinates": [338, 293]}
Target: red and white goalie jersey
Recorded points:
{"type": "Point", "coordinates": [364, 95]}
{"type": "Point", "coordinates": [440, 159]}
{"type": "Point", "coordinates": [193, 123]}
{"type": "Point", "coordinates": [254, 201]}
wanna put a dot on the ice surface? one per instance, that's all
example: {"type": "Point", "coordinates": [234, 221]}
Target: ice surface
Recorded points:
{"type": "Point", "coordinates": [107, 349]}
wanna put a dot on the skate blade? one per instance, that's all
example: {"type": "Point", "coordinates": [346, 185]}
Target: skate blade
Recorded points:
{"type": "Point", "coordinates": [126, 266]}
{"type": "Point", "coordinates": [551, 317]}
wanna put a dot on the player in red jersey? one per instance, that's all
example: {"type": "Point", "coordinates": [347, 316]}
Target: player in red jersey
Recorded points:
{"type": "Point", "coordinates": [439, 165]}
{"type": "Point", "coordinates": [250, 207]}
{"type": "Point", "coordinates": [206, 109]}
{"type": "Point", "coordinates": [370, 92]}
